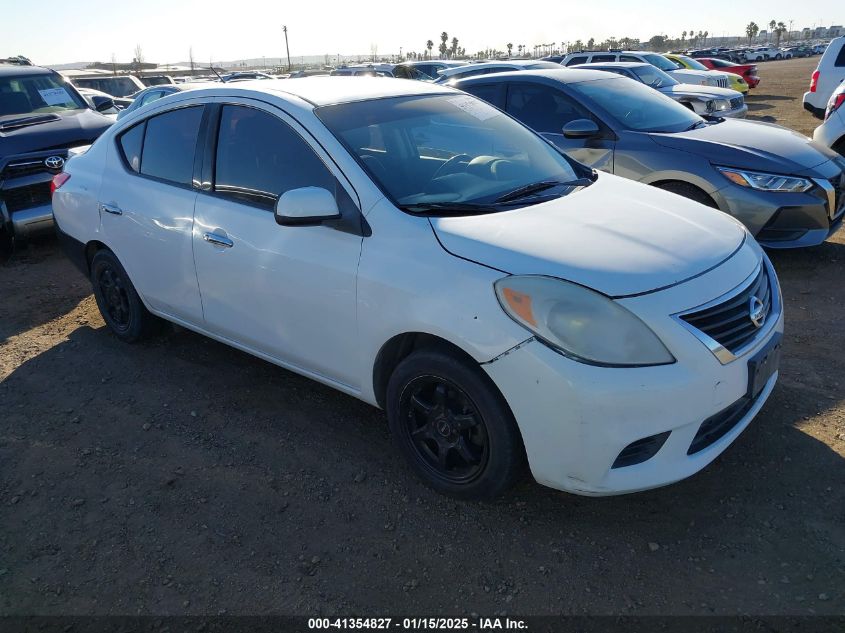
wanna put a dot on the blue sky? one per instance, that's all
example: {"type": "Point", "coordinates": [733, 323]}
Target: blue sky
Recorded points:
{"type": "Point", "coordinates": [55, 32]}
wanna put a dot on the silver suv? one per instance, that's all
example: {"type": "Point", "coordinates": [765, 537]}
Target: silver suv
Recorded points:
{"type": "Point", "coordinates": [683, 75]}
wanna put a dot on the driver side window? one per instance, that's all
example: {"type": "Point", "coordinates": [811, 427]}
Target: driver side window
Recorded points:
{"type": "Point", "coordinates": [543, 108]}
{"type": "Point", "coordinates": [259, 157]}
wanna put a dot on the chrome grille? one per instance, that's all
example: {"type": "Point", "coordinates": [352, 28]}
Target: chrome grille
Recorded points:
{"type": "Point", "coordinates": [729, 323]}
{"type": "Point", "coordinates": [723, 82]}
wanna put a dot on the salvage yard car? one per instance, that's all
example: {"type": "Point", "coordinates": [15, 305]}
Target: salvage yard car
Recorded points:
{"type": "Point", "coordinates": [789, 191]}
{"type": "Point", "coordinates": [501, 301]}
{"type": "Point", "coordinates": [42, 119]}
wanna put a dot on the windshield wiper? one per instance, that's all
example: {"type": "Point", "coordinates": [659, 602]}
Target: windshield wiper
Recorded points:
{"type": "Point", "coordinates": [446, 208]}
{"type": "Point", "coordinates": [695, 125]}
{"type": "Point", "coordinates": [537, 187]}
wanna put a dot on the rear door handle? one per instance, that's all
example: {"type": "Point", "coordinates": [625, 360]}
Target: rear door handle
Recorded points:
{"type": "Point", "coordinates": [111, 208]}
{"type": "Point", "coordinates": [218, 240]}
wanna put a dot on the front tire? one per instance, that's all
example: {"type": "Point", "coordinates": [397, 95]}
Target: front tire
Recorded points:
{"type": "Point", "coordinates": [453, 426]}
{"type": "Point", "coordinates": [118, 301]}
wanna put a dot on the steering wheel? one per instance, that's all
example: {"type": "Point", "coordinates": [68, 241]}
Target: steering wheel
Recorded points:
{"type": "Point", "coordinates": [450, 164]}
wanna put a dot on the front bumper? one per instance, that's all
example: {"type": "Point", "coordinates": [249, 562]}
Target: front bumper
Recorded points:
{"type": "Point", "coordinates": [577, 419]}
{"type": "Point", "coordinates": [787, 220]}
{"type": "Point", "coordinates": [27, 223]}
{"type": "Point", "coordinates": [736, 113]}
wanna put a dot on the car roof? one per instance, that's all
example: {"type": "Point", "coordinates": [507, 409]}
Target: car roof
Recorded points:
{"type": "Point", "coordinates": [613, 64]}
{"type": "Point", "coordinates": [563, 75]}
{"type": "Point", "coordinates": [511, 63]}
{"type": "Point", "coordinates": [7, 70]}
{"type": "Point", "coordinates": [326, 90]}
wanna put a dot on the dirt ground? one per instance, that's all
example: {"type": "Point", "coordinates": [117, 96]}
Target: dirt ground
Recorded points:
{"type": "Point", "coordinates": [184, 477]}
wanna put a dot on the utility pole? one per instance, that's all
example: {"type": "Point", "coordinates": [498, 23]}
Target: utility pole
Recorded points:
{"type": "Point", "coordinates": [287, 48]}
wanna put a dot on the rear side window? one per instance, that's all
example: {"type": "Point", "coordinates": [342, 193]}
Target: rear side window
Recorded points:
{"type": "Point", "coordinates": [131, 143]}
{"type": "Point", "coordinates": [542, 108]}
{"type": "Point", "coordinates": [259, 157]}
{"type": "Point", "coordinates": [488, 92]}
{"type": "Point", "coordinates": [581, 59]}
{"type": "Point", "coordinates": [169, 144]}
{"type": "Point", "coordinates": [604, 58]}
{"type": "Point", "coordinates": [840, 59]}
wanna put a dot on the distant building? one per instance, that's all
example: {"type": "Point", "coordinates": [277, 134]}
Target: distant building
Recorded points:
{"type": "Point", "coordinates": [836, 31]}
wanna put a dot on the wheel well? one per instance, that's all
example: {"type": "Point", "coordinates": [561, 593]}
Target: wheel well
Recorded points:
{"type": "Point", "coordinates": [91, 249]}
{"type": "Point", "coordinates": [670, 181]}
{"type": "Point", "coordinates": [400, 347]}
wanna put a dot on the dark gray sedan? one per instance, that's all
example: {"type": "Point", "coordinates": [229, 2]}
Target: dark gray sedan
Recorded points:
{"type": "Point", "coordinates": [788, 190]}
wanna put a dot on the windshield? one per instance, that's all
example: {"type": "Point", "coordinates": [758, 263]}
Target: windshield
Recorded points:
{"type": "Point", "coordinates": [661, 62]}
{"type": "Point", "coordinates": [445, 149]}
{"type": "Point", "coordinates": [37, 94]}
{"type": "Point", "coordinates": [692, 64]}
{"type": "Point", "coordinates": [636, 106]}
{"type": "Point", "coordinates": [654, 77]}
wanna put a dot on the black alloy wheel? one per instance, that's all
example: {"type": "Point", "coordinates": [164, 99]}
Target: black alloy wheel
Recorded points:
{"type": "Point", "coordinates": [446, 430]}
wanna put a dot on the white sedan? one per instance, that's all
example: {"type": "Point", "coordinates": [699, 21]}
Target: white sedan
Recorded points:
{"type": "Point", "coordinates": [415, 247]}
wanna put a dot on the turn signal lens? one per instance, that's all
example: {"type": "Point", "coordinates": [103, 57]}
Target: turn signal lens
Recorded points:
{"type": "Point", "coordinates": [814, 81]}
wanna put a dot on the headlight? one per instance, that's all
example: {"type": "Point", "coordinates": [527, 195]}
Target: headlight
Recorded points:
{"type": "Point", "coordinates": [719, 105]}
{"type": "Point", "coordinates": [766, 182]}
{"type": "Point", "coordinates": [580, 323]}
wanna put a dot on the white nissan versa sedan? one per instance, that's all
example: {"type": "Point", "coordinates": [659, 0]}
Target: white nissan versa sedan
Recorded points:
{"type": "Point", "coordinates": [416, 248]}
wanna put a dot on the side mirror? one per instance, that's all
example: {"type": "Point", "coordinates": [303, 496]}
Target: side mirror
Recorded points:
{"type": "Point", "coordinates": [306, 206]}
{"type": "Point", "coordinates": [102, 104]}
{"type": "Point", "coordinates": [581, 128]}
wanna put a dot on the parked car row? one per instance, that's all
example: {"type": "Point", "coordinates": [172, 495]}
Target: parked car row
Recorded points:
{"type": "Point", "coordinates": [744, 54]}
{"type": "Point", "coordinates": [511, 251]}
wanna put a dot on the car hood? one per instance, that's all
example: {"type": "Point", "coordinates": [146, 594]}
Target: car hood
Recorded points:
{"type": "Point", "coordinates": [702, 92]}
{"type": "Point", "coordinates": [750, 145]}
{"type": "Point", "coordinates": [616, 236]}
{"type": "Point", "coordinates": [59, 130]}
{"type": "Point", "coordinates": [699, 77]}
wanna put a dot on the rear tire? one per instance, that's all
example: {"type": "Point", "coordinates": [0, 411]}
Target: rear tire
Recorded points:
{"type": "Point", "coordinates": [118, 301]}
{"type": "Point", "coordinates": [688, 191]}
{"type": "Point", "coordinates": [453, 426]}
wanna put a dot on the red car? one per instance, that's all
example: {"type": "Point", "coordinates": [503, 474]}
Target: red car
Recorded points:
{"type": "Point", "coordinates": [746, 71]}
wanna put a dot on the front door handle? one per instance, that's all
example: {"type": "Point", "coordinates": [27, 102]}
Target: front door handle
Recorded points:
{"type": "Point", "coordinates": [111, 208]}
{"type": "Point", "coordinates": [218, 240]}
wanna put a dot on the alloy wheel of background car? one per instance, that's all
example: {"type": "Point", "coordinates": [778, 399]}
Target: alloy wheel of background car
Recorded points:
{"type": "Point", "coordinates": [453, 426]}
{"type": "Point", "coordinates": [119, 303]}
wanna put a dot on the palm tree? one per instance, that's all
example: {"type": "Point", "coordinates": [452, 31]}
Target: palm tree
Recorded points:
{"type": "Point", "coordinates": [510, 46]}
{"type": "Point", "coordinates": [751, 30]}
{"type": "Point", "coordinates": [706, 33]}
{"type": "Point", "coordinates": [519, 48]}
{"type": "Point", "coordinates": [780, 29]}
{"type": "Point", "coordinates": [454, 50]}
{"type": "Point", "coordinates": [429, 45]}
{"type": "Point", "coordinates": [444, 36]}
{"type": "Point", "coordinates": [772, 26]}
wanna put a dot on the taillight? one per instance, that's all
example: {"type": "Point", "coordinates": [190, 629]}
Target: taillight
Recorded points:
{"type": "Point", "coordinates": [814, 80]}
{"type": "Point", "coordinates": [833, 104]}
{"type": "Point", "coordinates": [58, 181]}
